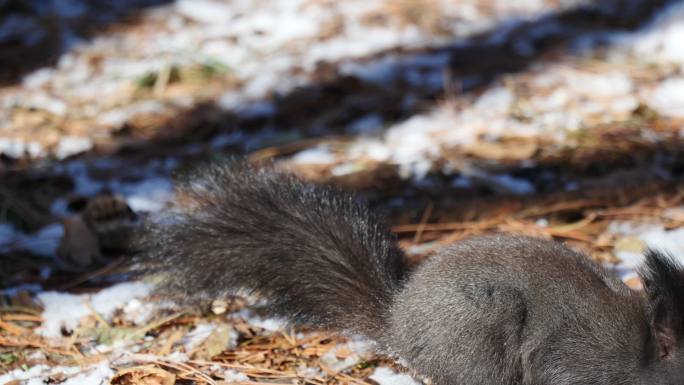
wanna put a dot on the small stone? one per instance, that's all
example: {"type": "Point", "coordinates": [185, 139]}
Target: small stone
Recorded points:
{"type": "Point", "coordinates": [219, 306]}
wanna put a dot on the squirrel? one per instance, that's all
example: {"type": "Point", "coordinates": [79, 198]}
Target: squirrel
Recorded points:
{"type": "Point", "coordinates": [499, 309]}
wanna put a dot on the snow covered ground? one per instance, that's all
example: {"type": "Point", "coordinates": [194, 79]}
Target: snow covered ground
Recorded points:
{"type": "Point", "coordinates": [71, 317]}
{"type": "Point", "coordinates": [242, 53]}
{"type": "Point", "coordinates": [550, 100]}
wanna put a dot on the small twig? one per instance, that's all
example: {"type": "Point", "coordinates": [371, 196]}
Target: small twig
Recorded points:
{"type": "Point", "coordinates": [181, 367]}
{"type": "Point", "coordinates": [423, 221]}
{"type": "Point", "coordinates": [12, 328]}
{"type": "Point", "coordinates": [90, 275]}
{"type": "Point", "coordinates": [97, 315]}
{"type": "Point", "coordinates": [570, 227]}
{"type": "Point", "coordinates": [162, 80]}
{"type": "Point", "coordinates": [447, 226]}
{"type": "Point", "coordinates": [171, 364]}
{"type": "Point", "coordinates": [348, 379]}
{"type": "Point", "coordinates": [20, 309]}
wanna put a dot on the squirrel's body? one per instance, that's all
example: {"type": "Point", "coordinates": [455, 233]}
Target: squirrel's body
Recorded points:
{"type": "Point", "coordinates": [533, 306]}
{"type": "Point", "coordinates": [491, 310]}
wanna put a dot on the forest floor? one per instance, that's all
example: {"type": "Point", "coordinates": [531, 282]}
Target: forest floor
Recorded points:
{"type": "Point", "coordinates": [561, 119]}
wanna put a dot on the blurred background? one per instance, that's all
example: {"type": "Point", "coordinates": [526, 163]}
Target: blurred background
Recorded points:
{"type": "Point", "coordinates": [554, 118]}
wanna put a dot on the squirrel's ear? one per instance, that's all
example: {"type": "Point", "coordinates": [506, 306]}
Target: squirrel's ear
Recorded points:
{"type": "Point", "coordinates": [663, 279]}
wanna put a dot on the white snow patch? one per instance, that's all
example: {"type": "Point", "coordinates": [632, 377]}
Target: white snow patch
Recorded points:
{"type": "Point", "coordinates": [143, 188]}
{"type": "Point", "coordinates": [346, 169]}
{"type": "Point", "coordinates": [495, 101]}
{"type": "Point", "coordinates": [373, 149]}
{"type": "Point", "coordinates": [198, 335]}
{"type": "Point", "coordinates": [12, 148]}
{"type": "Point", "coordinates": [140, 312]}
{"type": "Point", "coordinates": [653, 236]}
{"type": "Point", "coordinates": [71, 145]}
{"type": "Point", "coordinates": [359, 348]}
{"type": "Point", "coordinates": [414, 143]}
{"type": "Point", "coordinates": [661, 42]}
{"type": "Point", "coordinates": [608, 84]}
{"type": "Point", "coordinates": [35, 372]}
{"type": "Point", "coordinates": [205, 11]}
{"type": "Point", "coordinates": [43, 242]}
{"type": "Point", "coordinates": [316, 155]}
{"type": "Point", "coordinates": [231, 376]}
{"type": "Point", "coordinates": [632, 228]}
{"type": "Point", "coordinates": [44, 102]}
{"type": "Point", "coordinates": [38, 78]}
{"type": "Point", "coordinates": [668, 97]}
{"type": "Point", "coordinates": [269, 324]}
{"type": "Point", "coordinates": [178, 356]}
{"type": "Point", "coordinates": [308, 372]}
{"type": "Point", "coordinates": [65, 311]}
{"type": "Point", "coordinates": [630, 260]}
{"type": "Point", "coordinates": [151, 194]}
{"type": "Point", "coordinates": [671, 241]}
{"type": "Point", "coordinates": [387, 376]}
{"type": "Point", "coordinates": [15, 148]}
{"type": "Point", "coordinates": [98, 374]}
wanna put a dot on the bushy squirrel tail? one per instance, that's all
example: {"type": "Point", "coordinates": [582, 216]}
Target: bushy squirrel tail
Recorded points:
{"type": "Point", "coordinates": [318, 256]}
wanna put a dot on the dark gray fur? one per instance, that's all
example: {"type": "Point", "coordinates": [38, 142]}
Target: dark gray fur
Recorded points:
{"type": "Point", "coordinates": [490, 310]}
{"type": "Point", "coordinates": [319, 256]}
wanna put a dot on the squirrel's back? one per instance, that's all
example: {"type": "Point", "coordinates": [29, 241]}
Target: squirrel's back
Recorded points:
{"type": "Point", "coordinates": [504, 298]}
{"type": "Point", "coordinates": [318, 256]}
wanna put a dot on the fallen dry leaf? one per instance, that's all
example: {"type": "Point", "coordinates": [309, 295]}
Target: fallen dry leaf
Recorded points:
{"type": "Point", "coordinates": [143, 375]}
{"type": "Point", "coordinates": [217, 342]}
